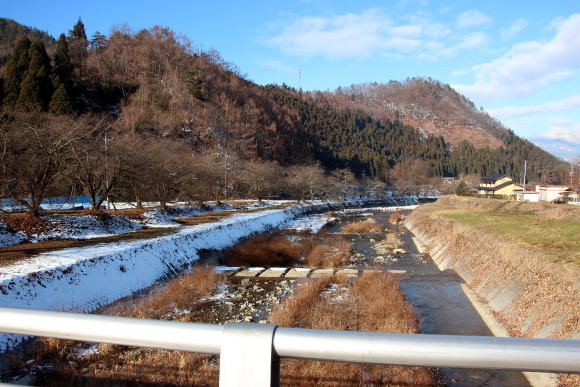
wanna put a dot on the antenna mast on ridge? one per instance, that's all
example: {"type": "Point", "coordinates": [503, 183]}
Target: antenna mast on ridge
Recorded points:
{"type": "Point", "coordinates": [300, 79]}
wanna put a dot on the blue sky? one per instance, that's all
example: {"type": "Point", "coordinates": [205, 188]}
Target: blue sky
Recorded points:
{"type": "Point", "coordinates": [520, 60]}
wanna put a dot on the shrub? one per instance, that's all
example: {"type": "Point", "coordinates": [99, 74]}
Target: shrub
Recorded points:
{"type": "Point", "coordinates": [328, 255]}
{"type": "Point", "coordinates": [395, 218]}
{"type": "Point", "coordinates": [266, 250]}
{"type": "Point", "coordinates": [368, 225]}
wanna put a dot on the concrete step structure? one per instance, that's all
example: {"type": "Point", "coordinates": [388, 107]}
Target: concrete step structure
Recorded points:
{"type": "Point", "coordinates": [286, 273]}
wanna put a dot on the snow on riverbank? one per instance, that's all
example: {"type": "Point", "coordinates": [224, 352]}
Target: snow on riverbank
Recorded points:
{"type": "Point", "coordinates": [9, 238]}
{"type": "Point", "coordinates": [86, 278]}
{"type": "Point", "coordinates": [312, 223]}
{"type": "Point", "coordinates": [86, 227]}
{"type": "Point", "coordinates": [91, 226]}
{"type": "Point", "coordinates": [165, 218]}
{"type": "Point", "coordinates": [378, 209]}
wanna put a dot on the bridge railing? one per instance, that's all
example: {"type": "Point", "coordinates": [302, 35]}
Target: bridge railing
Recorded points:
{"type": "Point", "coordinates": [250, 353]}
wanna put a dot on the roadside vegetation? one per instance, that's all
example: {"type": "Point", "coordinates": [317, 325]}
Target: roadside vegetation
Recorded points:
{"type": "Point", "coordinates": [529, 251]}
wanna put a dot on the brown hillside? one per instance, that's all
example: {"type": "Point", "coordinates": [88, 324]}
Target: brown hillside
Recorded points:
{"type": "Point", "coordinates": [433, 107]}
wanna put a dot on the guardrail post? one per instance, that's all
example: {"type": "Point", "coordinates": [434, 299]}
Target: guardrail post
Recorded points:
{"type": "Point", "coordinates": [247, 356]}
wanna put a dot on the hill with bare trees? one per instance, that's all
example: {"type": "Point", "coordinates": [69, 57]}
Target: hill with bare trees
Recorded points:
{"type": "Point", "coordinates": [147, 115]}
{"type": "Point", "coordinates": [432, 107]}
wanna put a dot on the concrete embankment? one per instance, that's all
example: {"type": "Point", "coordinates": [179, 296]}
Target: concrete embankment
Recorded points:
{"type": "Point", "coordinates": [531, 296]}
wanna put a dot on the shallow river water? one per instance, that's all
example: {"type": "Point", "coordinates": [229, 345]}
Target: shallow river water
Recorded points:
{"type": "Point", "coordinates": [442, 306]}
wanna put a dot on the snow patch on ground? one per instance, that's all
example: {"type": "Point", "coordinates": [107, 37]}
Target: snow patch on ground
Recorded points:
{"type": "Point", "coordinates": [312, 223]}
{"type": "Point", "coordinates": [370, 210]}
{"type": "Point", "coordinates": [336, 293]}
{"type": "Point", "coordinates": [166, 218]}
{"type": "Point", "coordinates": [9, 238]}
{"type": "Point", "coordinates": [86, 227]}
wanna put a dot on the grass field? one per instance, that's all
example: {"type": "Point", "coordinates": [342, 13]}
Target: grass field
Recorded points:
{"type": "Point", "coordinates": [558, 240]}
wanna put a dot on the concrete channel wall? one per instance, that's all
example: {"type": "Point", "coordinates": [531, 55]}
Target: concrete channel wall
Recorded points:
{"type": "Point", "coordinates": [530, 296]}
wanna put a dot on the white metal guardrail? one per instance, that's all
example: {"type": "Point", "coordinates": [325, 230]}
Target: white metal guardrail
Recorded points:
{"type": "Point", "coordinates": [250, 353]}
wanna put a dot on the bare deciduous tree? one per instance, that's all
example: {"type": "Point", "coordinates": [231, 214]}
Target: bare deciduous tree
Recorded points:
{"type": "Point", "coordinates": [36, 150]}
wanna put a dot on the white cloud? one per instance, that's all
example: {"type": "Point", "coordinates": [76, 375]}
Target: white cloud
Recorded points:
{"type": "Point", "coordinates": [528, 66]}
{"type": "Point", "coordinates": [569, 133]}
{"type": "Point", "coordinates": [276, 64]}
{"type": "Point", "coordinates": [371, 32]}
{"type": "Point", "coordinates": [349, 35]}
{"type": "Point", "coordinates": [517, 26]}
{"type": "Point", "coordinates": [472, 18]}
{"type": "Point", "coordinates": [467, 42]}
{"type": "Point", "coordinates": [544, 108]}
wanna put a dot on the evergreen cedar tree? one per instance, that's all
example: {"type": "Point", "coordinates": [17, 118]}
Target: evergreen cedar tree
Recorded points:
{"type": "Point", "coordinates": [61, 103]}
{"type": "Point", "coordinates": [98, 41]}
{"type": "Point", "coordinates": [301, 127]}
{"type": "Point", "coordinates": [461, 188]}
{"type": "Point", "coordinates": [15, 71]}
{"type": "Point", "coordinates": [36, 87]}
{"type": "Point", "coordinates": [62, 64]}
{"type": "Point", "coordinates": [78, 31]}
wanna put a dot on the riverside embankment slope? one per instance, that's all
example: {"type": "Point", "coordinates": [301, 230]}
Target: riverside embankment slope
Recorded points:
{"type": "Point", "coordinates": [521, 259]}
{"type": "Point", "coordinates": [529, 284]}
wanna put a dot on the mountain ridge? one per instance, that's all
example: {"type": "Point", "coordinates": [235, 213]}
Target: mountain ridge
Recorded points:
{"type": "Point", "coordinates": [155, 84]}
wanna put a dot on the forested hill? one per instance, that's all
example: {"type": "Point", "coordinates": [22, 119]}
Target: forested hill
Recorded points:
{"type": "Point", "coordinates": [435, 108]}
{"type": "Point", "coordinates": [11, 30]}
{"type": "Point", "coordinates": [369, 143]}
{"type": "Point", "coordinates": [156, 89]}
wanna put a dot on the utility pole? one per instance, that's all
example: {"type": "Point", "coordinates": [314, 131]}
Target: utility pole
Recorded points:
{"type": "Point", "coordinates": [525, 172]}
{"type": "Point", "coordinates": [225, 174]}
{"type": "Point", "coordinates": [107, 171]}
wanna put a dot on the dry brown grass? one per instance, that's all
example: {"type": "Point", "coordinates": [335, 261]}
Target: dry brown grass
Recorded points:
{"type": "Point", "coordinates": [325, 255]}
{"type": "Point", "coordinates": [149, 367]}
{"type": "Point", "coordinates": [204, 218]}
{"type": "Point", "coordinates": [368, 225]}
{"type": "Point", "coordinates": [364, 310]}
{"type": "Point", "coordinates": [176, 294]}
{"type": "Point", "coordinates": [157, 366]}
{"type": "Point", "coordinates": [543, 210]}
{"type": "Point", "coordinates": [266, 250]}
{"type": "Point", "coordinates": [275, 250]}
{"type": "Point", "coordinates": [395, 218]}
{"type": "Point", "coordinates": [24, 222]}
{"type": "Point", "coordinates": [491, 262]}
{"type": "Point", "coordinates": [311, 307]}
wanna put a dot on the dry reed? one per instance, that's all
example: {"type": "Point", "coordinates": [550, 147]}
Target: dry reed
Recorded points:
{"type": "Point", "coordinates": [368, 225]}
{"type": "Point", "coordinates": [348, 306]}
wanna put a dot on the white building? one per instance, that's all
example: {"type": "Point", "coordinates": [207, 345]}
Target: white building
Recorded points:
{"type": "Point", "coordinates": [528, 196]}
{"type": "Point", "coordinates": [551, 193]}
